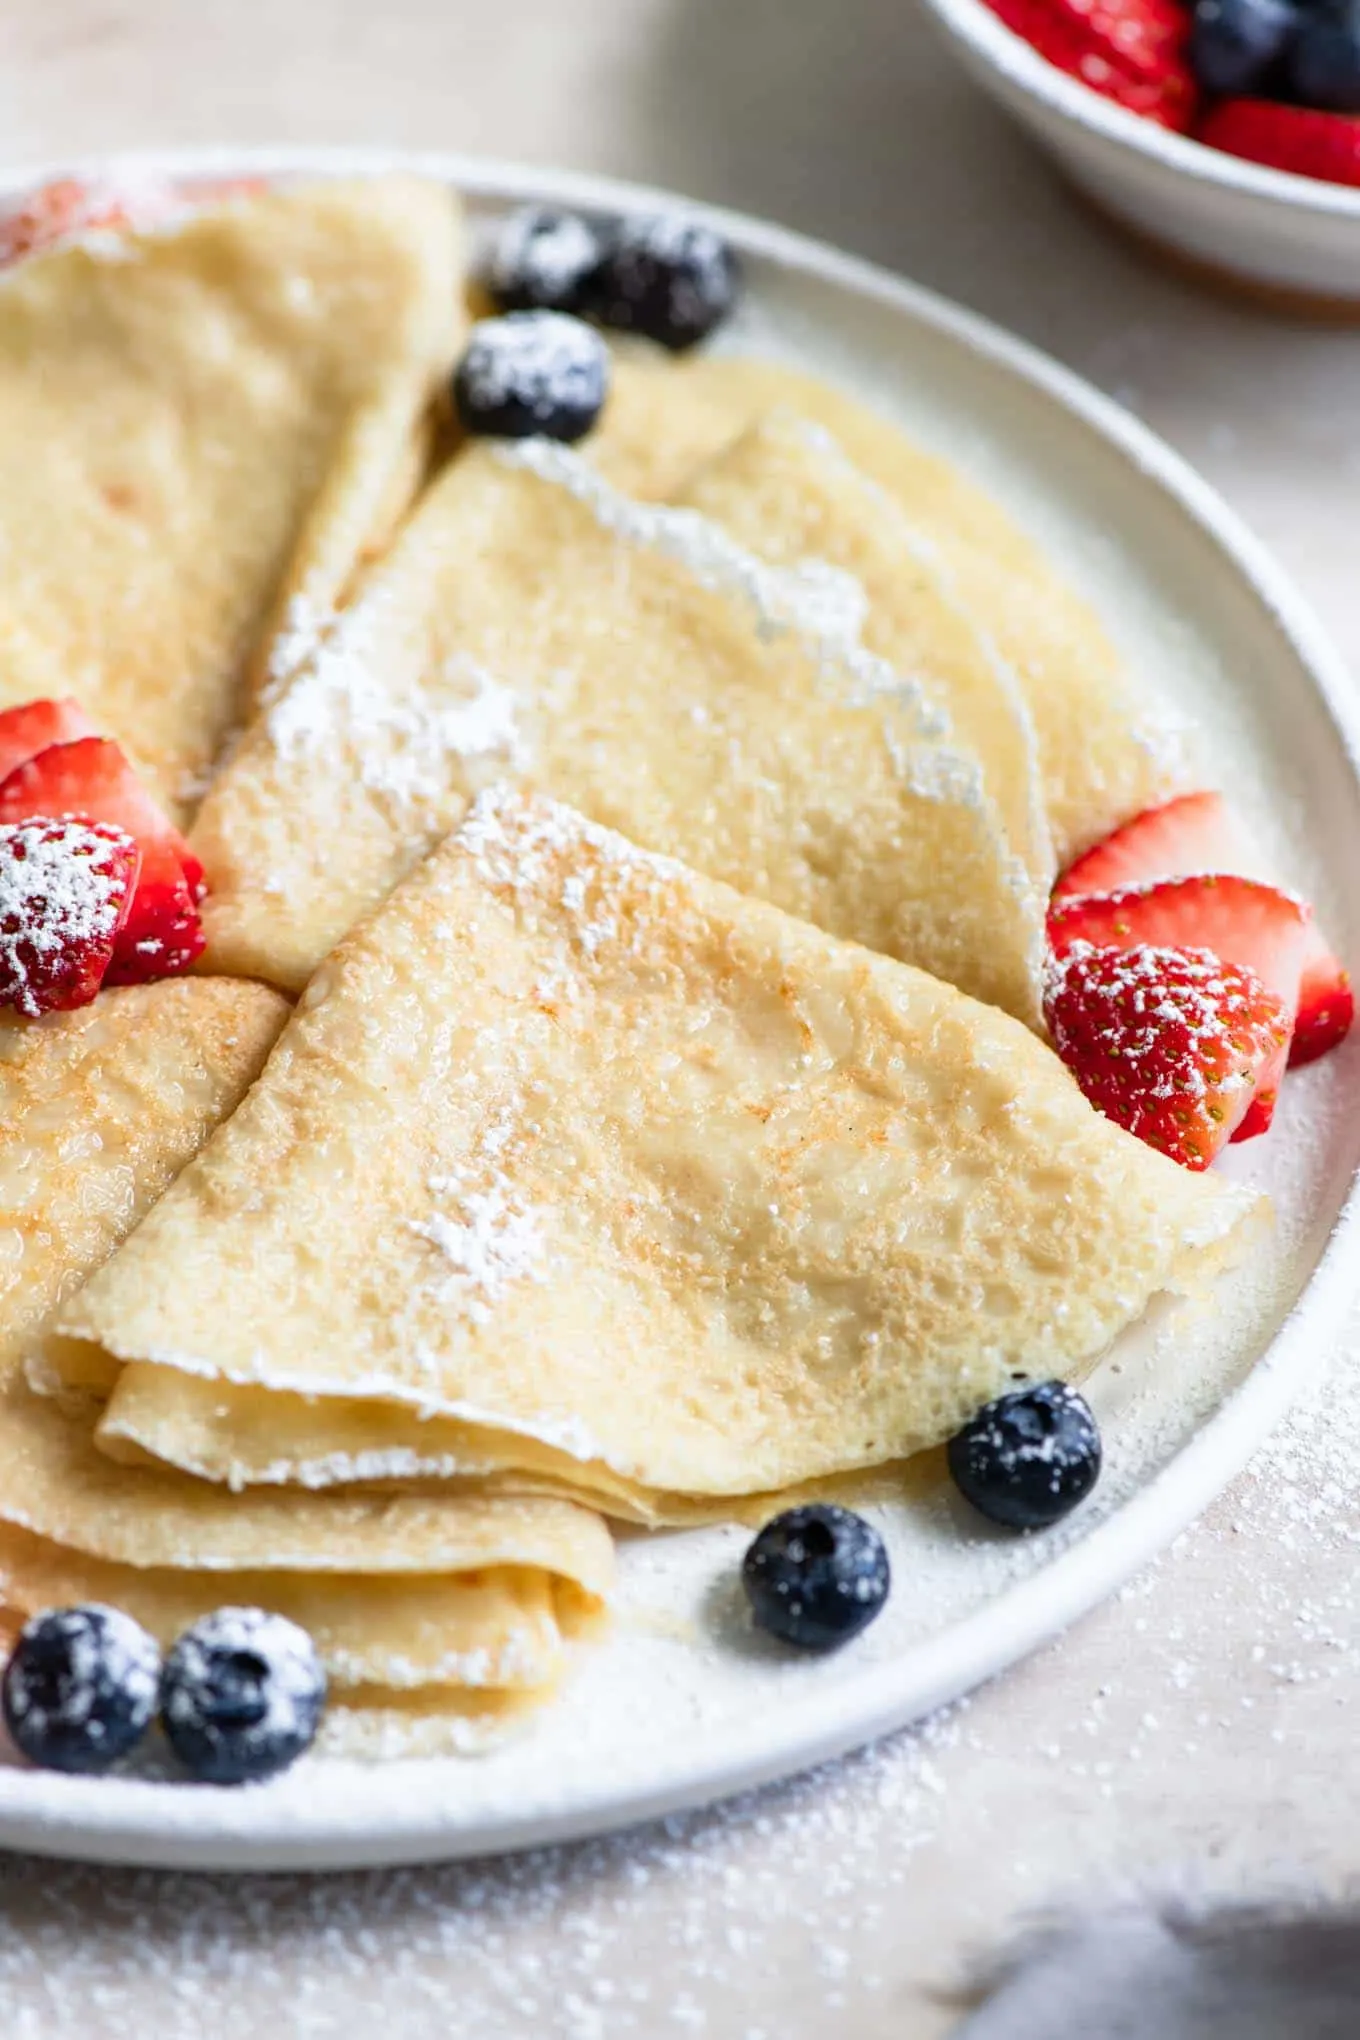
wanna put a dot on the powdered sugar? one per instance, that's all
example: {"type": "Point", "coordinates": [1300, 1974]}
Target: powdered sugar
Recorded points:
{"type": "Point", "coordinates": [488, 1237]}
{"type": "Point", "coordinates": [550, 860]}
{"type": "Point", "coordinates": [816, 602]}
{"type": "Point", "coordinates": [400, 745]}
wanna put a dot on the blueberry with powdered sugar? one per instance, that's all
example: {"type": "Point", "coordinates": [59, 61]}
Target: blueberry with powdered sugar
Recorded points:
{"type": "Point", "coordinates": [531, 375]}
{"type": "Point", "coordinates": [542, 261]}
{"type": "Point", "coordinates": [816, 1576]}
{"type": "Point", "coordinates": [241, 1696]}
{"type": "Point", "coordinates": [1027, 1459]}
{"type": "Point", "coordinates": [666, 277]}
{"type": "Point", "coordinates": [79, 1690]}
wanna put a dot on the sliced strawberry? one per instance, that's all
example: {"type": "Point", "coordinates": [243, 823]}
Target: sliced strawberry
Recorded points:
{"type": "Point", "coordinates": [1292, 138]}
{"type": "Point", "coordinates": [1147, 38]}
{"type": "Point", "coordinates": [58, 212]}
{"type": "Point", "coordinates": [1199, 833]}
{"type": "Point", "coordinates": [1120, 48]}
{"type": "Point", "coordinates": [1169, 1043]}
{"type": "Point", "coordinates": [65, 891]}
{"type": "Point", "coordinates": [1326, 1004]}
{"type": "Point", "coordinates": [92, 778]}
{"type": "Point", "coordinates": [26, 730]}
{"type": "Point", "coordinates": [1239, 919]}
{"type": "Point", "coordinates": [1194, 832]}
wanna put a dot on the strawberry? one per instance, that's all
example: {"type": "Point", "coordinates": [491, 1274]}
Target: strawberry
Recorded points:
{"type": "Point", "coordinates": [1131, 51]}
{"type": "Point", "coordinates": [57, 213]}
{"type": "Point", "coordinates": [92, 778]}
{"type": "Point", "coordinates": [1169, 1043]}
{"type": "Point", "coordinates": [1326, 1005]}
{"type": "Point", "coordinates": [65, 892]}
{"type": "Point", "coordinates": [1197, 832]}
{"type": "Point", "coordinates": [26, 730]}
{"type": "Point", "coordinates": [1237, 919]}
{"type": "Point", "coordinates": [1194, 832]}
{"type": "Point", "coordinates": [66, 209]}
{"type": "Point", "coordinates": [1292, 138]}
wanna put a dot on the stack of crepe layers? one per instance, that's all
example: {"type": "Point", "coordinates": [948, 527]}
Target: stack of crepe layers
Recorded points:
{"type": "Point", "coordinates": [656, 841]}
{"type": "Point", "coordinates": [202, 431]}
{"type": "Point", "coordinates": [453, 1609]}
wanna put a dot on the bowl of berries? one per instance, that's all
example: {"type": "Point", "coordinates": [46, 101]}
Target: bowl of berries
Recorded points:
{"type": "Point", "coordinates": [1227, 132]}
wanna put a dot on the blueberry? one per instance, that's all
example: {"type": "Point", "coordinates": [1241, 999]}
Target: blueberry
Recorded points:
{"type": "Point", "coordinates": [1028, 1458]}
{"type": "Point", "coordinates": [241, 1695]}
{"type": "Point", "coordinates": [666, 277]}
{"type": "Point", "coordinates": [530, 373]}
{"type": "Point", "coordinates": [1236, 44]}
{"type": "Point", "coordinates": [816, 1576]}
{"type": "Point", "coordinates": [542, 261]}
{"type": "Point", "coordinates": [1323, 67]}
{"type": "Point", "coordinates": [80, 1688]}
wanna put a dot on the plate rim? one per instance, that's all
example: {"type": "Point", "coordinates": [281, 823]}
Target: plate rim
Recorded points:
{"type": "Point", "coordinates": [289, 1825]}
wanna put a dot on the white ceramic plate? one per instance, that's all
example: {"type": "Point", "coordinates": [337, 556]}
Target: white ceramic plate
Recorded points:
{"type": "Point", "coordinates": [1294, 237]}
{"type": "Point", "coordinates": [685, 1703]}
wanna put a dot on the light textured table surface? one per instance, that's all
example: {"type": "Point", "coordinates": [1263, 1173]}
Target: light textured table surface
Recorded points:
{"type": "Point", "coordinates": [1195, 1734]}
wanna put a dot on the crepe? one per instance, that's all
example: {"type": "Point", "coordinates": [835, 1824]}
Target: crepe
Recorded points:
{"type": "Point", "coordinates": [201, 432]}
{"type": "Point", "coordinates": [100, 1108]}
{"type": "Point", "coordinates": [571, 1145]}
{"type": "Point", "coordinates": [1108, 748]}
{"type": "Point", "coordinates": [531, 622]}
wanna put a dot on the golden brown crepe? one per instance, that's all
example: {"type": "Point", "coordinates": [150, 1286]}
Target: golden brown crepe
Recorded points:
{"type": "Point", "coordinates": [201, 432]}
{"type": "Point", "coordinates": [568, 1144]}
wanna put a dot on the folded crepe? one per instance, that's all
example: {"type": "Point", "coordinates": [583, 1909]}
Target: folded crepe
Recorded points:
{"type": "Point", "coordinates": [868, 765]}
{"type": "Point", "coordinates": [100, 1108]}
{"type": "Point", "coordinates": [1108, 748]}
{"type": "Point", "coordinates": [201, 432]}
{"type": "Point", "coordinates": [571, 1151]}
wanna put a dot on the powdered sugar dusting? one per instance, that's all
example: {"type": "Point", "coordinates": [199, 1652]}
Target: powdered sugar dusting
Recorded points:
{"type": "Point", "coordinates": [547, 858]}
{"type": "Point", "coordinates": [401, 745]}
{"type": "Point", "coordinates": [816, 602]}
{"type": "Point", "coordinates": [487, 1236]}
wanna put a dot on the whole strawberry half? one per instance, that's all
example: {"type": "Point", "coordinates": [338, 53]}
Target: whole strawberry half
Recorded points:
{"type": "Point", "coordinates": [1292, 138]}
{"type": "Point", "coordinates": [1169, 1043]}
{"type": "Point", "coordinates": [1198, 833]}
{"type": "Point", "coordinates": [1130, 51]}
{"type": "Point", "coordinates": [91, 778]}
{"type": "Point", "coordinates": [65, 890]}
{"type": "Point", "coordinates": [1237, 919]}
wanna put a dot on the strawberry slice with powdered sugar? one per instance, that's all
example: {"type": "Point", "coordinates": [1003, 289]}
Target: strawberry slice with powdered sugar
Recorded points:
{"type": "Point", "coordinates": [1169, 1043]}
{"type": "Point", "coordinates": [65, 891]}
{"type": "Point", "coordinates": [1199, 833]}
{"type": "Point", "coordinates": [1237, 919]}
{"type": "Point", "coordinates": [91, 779]}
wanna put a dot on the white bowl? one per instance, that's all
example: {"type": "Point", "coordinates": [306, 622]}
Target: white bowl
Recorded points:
{"type": "Point", "coordinates": [1292, 238]}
